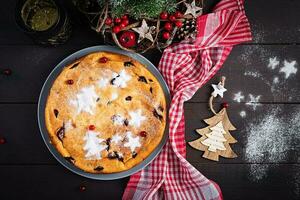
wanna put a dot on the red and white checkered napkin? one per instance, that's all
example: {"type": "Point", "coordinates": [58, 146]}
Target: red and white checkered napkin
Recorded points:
{"type": "Point", "coordinates": [186, 67]}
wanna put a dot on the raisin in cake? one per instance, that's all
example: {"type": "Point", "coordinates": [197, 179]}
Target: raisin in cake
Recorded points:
{"type": "Point", "coordinates": [105, 113]}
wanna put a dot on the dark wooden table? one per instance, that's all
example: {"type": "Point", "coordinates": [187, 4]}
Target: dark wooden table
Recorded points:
{"type": "Point", "coordinates": [267, 166]}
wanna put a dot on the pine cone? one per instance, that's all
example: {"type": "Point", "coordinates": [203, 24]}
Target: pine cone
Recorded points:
{"type": "Point", "coordinates": [187, 30]}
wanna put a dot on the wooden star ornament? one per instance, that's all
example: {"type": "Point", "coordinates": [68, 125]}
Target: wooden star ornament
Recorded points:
{"type": "Point", "coordinates": [144, 31]}
{"type": "Point", "coordinates": [193, 9]}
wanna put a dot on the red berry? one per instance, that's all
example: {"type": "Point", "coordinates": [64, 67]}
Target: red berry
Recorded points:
{"type": "Point", "coordinates": [70, 82]}
{"type": "Point", "coordinates": [103, 60]}
{"type": "Point", "coordinates": [166, 35]}
{"type": "Point", "coordinates": [116, 29]}
{"type": "Point", "coordinates": [122, 25]}
{"type": "Point", "coordinates": [108, 21]}
{"type": "Point", "coordinates": [82, 188]}
{"type": "Point", "coordinates": [143, 133]}
{"type": "Point", "coordinates": [164, 15]}
{"type": "Point", "coordinates": [178, 24]}
{"type": "Point", "coordinates": [128, 39]}
{"type": "Point", "coordinates": [2, 140]}
{"type": "Point", "coordinates": [92, 127]}
{"type": "Point", "coordinates": [7, 72]}
{"type": "Point", "coordinates": [178, 14]}
{"type": "Point", "coordinates": [118, 20]}
{"type": "Point", "coordinates": [124, 17]}
{"type": "Point", "coordinates": [172, 18]}
{"type": "Point", "coordinates": [225, 105]}
{"type": "Point", "coordinates": [125, 21]}
{"type": "Point", "coordinates": [168, 26]}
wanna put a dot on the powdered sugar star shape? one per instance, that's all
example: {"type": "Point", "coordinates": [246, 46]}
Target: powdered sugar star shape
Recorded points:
{"type": "Point", "coordinates": [116, 138]}
{"type": "Point", "coordinates": [136, 118]}
{"type": "Point", "coordinates": [273, 62]}
{"type": "Point", "coordinates": [218, 90]}
{"type": "Point", "coordinates": [103, 82]}
{"type": "Point", "coordinates": [93, 145]}
{"type": "Point", "coordinates": [288, 68]}
{"type": "Point", "coordinates": [238, 97]}
{"type": "Point", "coordinates": [133, 142]}
{"type": "Point", "coordinates": [254, 101]}
{"type": "Point", "coordinates": [121, 79]}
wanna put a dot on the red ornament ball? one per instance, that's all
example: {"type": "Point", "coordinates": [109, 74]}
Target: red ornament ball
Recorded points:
{"type": "Point", "coordinates": [178, 14]}
{"type": "Point", "coordinates": [166, 35]}
{"type": "Point", "coordinates": [164, 15]}
{"type": "Point", "coordinates": [92, 127]}
{"type": "Point", "coordinates": [143, 133]}
{"type": "Point", "coordinates": [117, 20]}
{"type": "Point", "coordinates": [168, 26]}
{"type": "Point", "coordinates": [178, 24]}
{"type": "Point", "coordinates": [108, 21]}
{"type": "Point", "coordinates": [103, 60]}
{"type": "Point", "coordinates": [116, 29]}
{"type": "Point", "coordinates": [124, 17]}
{"type": "Point", "coordinates": [128, 39]}
{"type": "Point", "coordinates": [125, 22]}
{"type": "Point", "coordinates": [2, 140]}
{"type": "Point", "coordinates": [225, 105]}
{"type": "Point", "coordinates": [172, 18]}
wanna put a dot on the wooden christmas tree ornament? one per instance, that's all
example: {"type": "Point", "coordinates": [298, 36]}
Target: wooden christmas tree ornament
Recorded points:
{"type": "Point", "coordinates": [215, 139]}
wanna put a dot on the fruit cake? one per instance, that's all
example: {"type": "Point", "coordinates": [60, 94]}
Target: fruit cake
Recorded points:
{"type": "Point", "coordinates": [105, 113]}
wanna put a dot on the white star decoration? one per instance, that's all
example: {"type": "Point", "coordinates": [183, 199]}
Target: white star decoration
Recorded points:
{"type": "Point", "coordinates": [218, 90]}
{"type": "Point", "coordinates": [192, 9]}
{"type": "Point", "coordinates": [254, 101]}
{"type": "Point", "coordinates": [116, 138]}
{"type": "Point", "coordinates": [289, 68]}
{"type": "Point", "coordinates": [133, 142]}
{"type": "Point", "coordinates": [85, 100]}
{"type": "Point", "coordinates": [136, 118]}
{"type": "Point", "coordinates": [238, 97]}
{"type": "Point", "coordinates": [144, 31]}
{"type": "Point", "coordinates": [93, 145]}
{"type": "Point", "coordinates": [273, 62]}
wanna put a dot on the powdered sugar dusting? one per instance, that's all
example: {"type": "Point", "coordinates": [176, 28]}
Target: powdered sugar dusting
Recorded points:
{"type": "Point", "coordinates": [269, 139]}
{"type": "Point", "coordinates": [93, 145]}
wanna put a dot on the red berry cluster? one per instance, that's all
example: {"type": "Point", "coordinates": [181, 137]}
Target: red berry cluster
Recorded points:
{"type": "Point", "coordinates": [117, 23]}
{"type": "Point", "coordinates": [172, 19]}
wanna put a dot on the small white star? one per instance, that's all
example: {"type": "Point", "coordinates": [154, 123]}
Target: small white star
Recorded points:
{"type": "Point", "coordinates": [192, 9]}
{"type": "Point", "coordinates": [254, 101]}
{"type": "Point", "coordinates": [218, 90]}
{"type": "Point", "coordinates": [238, 97]}
{"type": "Point", "coordinates": [144, 31]}
{"type": "Point", "coordinates": [243, 114]}
{"type": "Point", "coordinates": [133, 142]}
{"type": "Point", "coordinates": [136, 118]}
{"type": "Point", "coordinates": [289, 68]}
{"type": "Point", "coordinates": [273, 62]}
{"type": "Point", "coordinates": [116, 138]}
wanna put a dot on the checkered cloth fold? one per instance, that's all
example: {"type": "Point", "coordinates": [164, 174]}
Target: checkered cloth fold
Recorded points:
{"type": "Point", "coordinates": [186, 67]}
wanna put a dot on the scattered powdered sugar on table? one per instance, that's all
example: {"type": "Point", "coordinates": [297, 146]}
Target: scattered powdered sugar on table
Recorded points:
{"type": "Point", "coordinates": [269, 139]}
{"type": "Point", "coordinates": [243, 114]}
